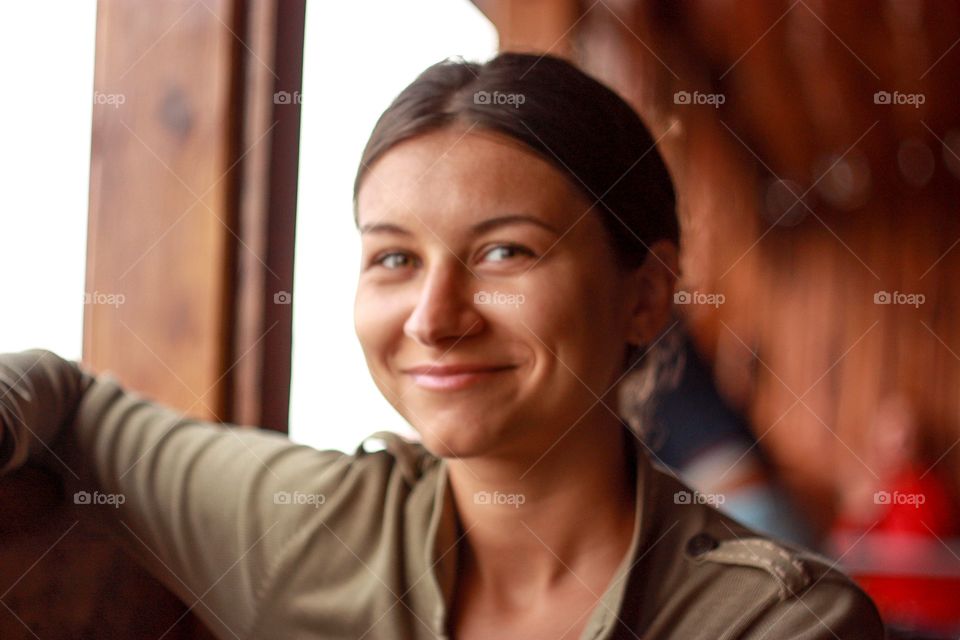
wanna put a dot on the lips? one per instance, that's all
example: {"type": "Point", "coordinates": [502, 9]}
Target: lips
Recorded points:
{"type": "Point", "coordinates": [453, 377]}
{"type": "Point", "coordinates": [454, 369]}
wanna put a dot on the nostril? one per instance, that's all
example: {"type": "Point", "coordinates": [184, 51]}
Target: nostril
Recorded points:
{"type": "Point", "coordinates": [432, 328]}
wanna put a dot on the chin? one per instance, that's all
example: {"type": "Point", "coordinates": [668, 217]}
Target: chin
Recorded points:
{"type": "Point", "coordinates": [460, 440]}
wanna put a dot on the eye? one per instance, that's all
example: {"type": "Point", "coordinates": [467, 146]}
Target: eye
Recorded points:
{"type": "Point", "coordinates": [507, 249]}
{"type": "Point", "coordinates": [391, 260]}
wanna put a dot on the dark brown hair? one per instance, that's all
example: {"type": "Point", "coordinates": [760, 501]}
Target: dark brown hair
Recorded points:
{"type": "Point", "coordinates": [573, 121]}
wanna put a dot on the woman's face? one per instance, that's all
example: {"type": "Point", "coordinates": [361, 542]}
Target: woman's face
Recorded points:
{"type": "Point", "coordinates": [443, 283]}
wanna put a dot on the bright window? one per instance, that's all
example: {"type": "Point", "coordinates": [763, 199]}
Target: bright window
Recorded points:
{"type": "Point", "coordinates": [44, 164]}
{"type": "Point", "coordinates": [358, 56]}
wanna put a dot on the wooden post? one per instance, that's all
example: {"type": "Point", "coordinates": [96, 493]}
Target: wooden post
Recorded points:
{"type": "Point", "coordinates": [192, 209]}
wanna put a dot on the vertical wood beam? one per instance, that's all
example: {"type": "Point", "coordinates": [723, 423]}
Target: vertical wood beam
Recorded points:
{"type": "Point", "coordinates": [192, 208]}
{"type": "Point", "coordinates": [538, 26]}
{"type": "Point", "coordinates": [259, 384]}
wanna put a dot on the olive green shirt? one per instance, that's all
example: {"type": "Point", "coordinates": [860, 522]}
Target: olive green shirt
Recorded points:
{"type": "Point", "coordinates": [271, 539]}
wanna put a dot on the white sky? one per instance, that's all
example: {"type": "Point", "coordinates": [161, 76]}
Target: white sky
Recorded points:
{"type": "Point", "coordinates": [358, 57]}
{"type": "Point", "coordinates": [45, 121]}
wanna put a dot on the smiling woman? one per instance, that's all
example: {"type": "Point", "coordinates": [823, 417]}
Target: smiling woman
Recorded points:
{"type": "Point", "coordinates": [519, 253]}
{"type": "Point", "coordinates": [483, 196]}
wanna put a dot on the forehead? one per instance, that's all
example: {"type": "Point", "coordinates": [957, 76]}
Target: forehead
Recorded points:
{"type": "Point", "coordinates": [456, 175]}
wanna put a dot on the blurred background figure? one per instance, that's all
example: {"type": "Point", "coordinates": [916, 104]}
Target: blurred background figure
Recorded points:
{"type": "Point", "coordinates": [902, 526]}
{"type": "Point", "coordinates": [674, 405]}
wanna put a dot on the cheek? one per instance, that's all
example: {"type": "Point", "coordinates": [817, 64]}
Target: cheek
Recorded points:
{"type": "Point", "coordinates": [562, 304]}
{"type": "Point", "coordinates": [570, 318]}
{"type": "Point", "coordinates": [375, 323]}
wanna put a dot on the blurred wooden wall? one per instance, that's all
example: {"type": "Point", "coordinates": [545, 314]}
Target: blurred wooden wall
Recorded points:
{"type": "Point", "coordinates": [801, 197]}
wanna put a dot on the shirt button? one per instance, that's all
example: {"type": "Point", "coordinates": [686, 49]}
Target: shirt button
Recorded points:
{"type": "Point", "coordinates": [700, 544]}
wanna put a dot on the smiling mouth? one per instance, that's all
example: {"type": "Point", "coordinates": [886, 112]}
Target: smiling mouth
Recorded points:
{"type": "Point", "coordinates": [454, 381]}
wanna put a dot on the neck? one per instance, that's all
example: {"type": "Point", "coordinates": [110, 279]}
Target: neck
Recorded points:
{"type": "Point", "coordinates": [532, 524]}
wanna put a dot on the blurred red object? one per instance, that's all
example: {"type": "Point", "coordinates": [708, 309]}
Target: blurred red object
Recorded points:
{"type": "Point", "coordinates": [909, 560]}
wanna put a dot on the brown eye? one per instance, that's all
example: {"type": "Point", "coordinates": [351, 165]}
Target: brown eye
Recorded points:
{"type": "Point", "coordinates": [388, 260]}
{"type": "Point", "coordinates": [509, 250]}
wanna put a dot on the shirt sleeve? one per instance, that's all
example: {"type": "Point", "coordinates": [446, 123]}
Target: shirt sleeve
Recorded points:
{"type": "Point", "coordinates": [830, 609]}
{"type": "Point", "coordinates": [206, 508]}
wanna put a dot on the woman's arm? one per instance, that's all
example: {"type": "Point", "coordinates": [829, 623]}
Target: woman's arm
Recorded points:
{"type": "Point", "coordinates": [39, 392]}
{"type": "Point", "coordinates": [204, 507]}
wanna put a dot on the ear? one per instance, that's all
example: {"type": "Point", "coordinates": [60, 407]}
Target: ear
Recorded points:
{"type": "Point", "coordinates": [651, 287]}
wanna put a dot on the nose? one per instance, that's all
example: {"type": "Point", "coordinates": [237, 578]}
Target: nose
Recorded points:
{"type": "Point", "coordinates": [445, 307]}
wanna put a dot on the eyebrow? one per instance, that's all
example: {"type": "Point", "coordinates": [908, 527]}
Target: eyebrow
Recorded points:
{"type": "Point", "coordinates": [477, 229]}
